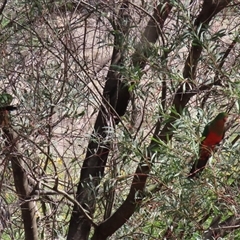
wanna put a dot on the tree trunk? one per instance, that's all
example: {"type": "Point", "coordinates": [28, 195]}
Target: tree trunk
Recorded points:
{"type": "Point", "coordinates": [20, 178]}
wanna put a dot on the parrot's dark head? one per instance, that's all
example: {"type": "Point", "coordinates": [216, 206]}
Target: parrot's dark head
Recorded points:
{"type": "Point", "coordinates": [221, 117]}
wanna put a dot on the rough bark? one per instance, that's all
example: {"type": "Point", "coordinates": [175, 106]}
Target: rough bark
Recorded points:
{"type": "Point", "coordinates": [20, 178]}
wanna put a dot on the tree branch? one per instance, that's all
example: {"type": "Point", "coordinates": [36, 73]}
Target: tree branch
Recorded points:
{"type": "Point", "coordinates": [125, 211]}
{"type": "Point", "coordinates": [184, 93]}
{"type": "Point", "coordinates": [115, 100]}
{"type": "Point", "coordinates": [218, 230]}
{"type": "Point", "coordinates": [20, 178]}
{"type": "Point", "coordinates": [3, 6]}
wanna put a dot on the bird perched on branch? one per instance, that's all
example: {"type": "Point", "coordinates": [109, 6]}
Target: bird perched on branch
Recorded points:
{"type": "Point", "coordinates": [212, 135]}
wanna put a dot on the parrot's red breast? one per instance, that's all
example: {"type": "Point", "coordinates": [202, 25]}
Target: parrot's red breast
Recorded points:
{"type": "Point", "coordinates": [212, 139]}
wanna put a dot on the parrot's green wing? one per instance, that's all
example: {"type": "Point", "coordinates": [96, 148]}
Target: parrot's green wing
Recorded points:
{"type": "Point", "coordinates": [206, 130]}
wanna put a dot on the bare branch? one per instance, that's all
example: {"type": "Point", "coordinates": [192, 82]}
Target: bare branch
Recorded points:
{"type": "Point", "coordinates": [3, 6]}
{"type": "Point", "coordinates": [218, 230]}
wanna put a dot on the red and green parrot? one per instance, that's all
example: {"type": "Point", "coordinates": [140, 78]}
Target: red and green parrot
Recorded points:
{"type": "Point", "coordinates": [212, 135]}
